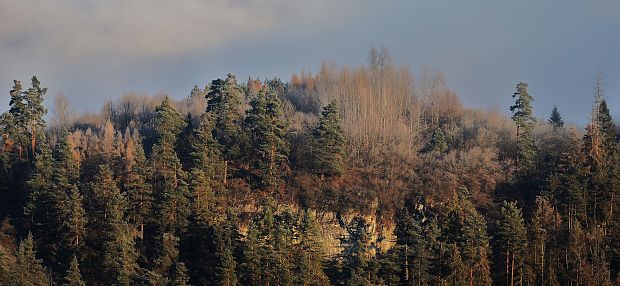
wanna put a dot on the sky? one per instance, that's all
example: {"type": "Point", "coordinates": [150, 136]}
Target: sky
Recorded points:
{"type": "Point", "coordinates": [93, 50]}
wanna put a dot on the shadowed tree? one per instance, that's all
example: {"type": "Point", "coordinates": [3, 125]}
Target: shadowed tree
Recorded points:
{"type": "Point", "coordinates": [556, 119]}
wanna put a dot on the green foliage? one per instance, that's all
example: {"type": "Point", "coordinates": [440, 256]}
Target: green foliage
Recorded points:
{"type": "Point", "coordinates": [266, 133]}
{"type": "Point", "coordinates": [328, 148]}
{"type": "Point", "coordinates": [28, 270]}
{"type": "Point", "coordinates": [512, 241]}
{"type": "Point", "coordinates": [115, 236]}
{"type": "Point", "coordinates": [224, 105]}
{"type": "Point", "coordinates": [169, 183]}
{"type": "Point", "coordinates": [138, 190]}
{"type": "Point", "coordinates": [556, 119]}
{"type": "Point", "coordinates": [524, 119]}
{"type": "Point", "coordinates": [73, 277]}
{"type": "Point", "coordinates": [311, 254]}
{"type": "Point", "coordinates": [358, 254]}
{"type": "Point", "coordinates": [437, 143]}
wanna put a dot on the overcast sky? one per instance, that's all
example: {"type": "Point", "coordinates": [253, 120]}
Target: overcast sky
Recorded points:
{"type": "Point", "coordinates": [93, 50]}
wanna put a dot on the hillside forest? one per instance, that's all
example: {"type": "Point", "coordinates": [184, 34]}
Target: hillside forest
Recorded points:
{"type": "Point", "coordinates": [366, 175]}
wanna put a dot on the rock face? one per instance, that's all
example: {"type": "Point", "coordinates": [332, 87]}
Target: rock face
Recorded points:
{"type": "Point", "coordinates": [335, 230]}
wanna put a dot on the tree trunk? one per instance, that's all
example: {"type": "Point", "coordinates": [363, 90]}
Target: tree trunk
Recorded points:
{"type": "Point", "coordinates": [512, 270]}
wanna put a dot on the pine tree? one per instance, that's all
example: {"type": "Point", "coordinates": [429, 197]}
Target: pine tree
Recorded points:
{"type": "Point", "coordinates": [358, 255]}
{"type": "Point", "coordinates": [138, 190]}
{"type": "Point", "coordinates": [169, 187]}
{"type": "Point", "coordinates": [14, 123]}
{"type": "Point", "coordinates": [224, 106]}
{"type": "Point", "coordinates": [282, 249]}
{"type": "Point", "coordinates": [310, 254]}
{"type": "Point", "coordinates": [226, 274]}
{"type": "Point", "coordinates": [73, 276]}
{"type": "Point", "coordinates": [167, 264]}
{"type": "Point", "coordinates": [525, 121]}
{"type": "Point", "coordinates": [205, 150]}
{"type": "Point", "coordinates": [556, 119]}
{"type": "Point", "coordinates": [111, 233]}
{"type": "Point", "coordinates": [266, 132]}
{"type": "Point", "coordinates": [54, 205]}
{"type": "Point", "coordinates": [328, 150]}
{"type": "Point", "coordinates": [473, 241]}
{"type": "Point", "coordinates": [512, 240]}
{"type": "Point", "coordinates": [251, 257]}
{"type": "Point", "coordinates": [545, 228]}
{"type": "Point", "coordinates": [437, 143]}
{"type": "Point", "coordinates": [35, 111]}
{"type": "Point", "coordinates": [416, 233]}
{"type": "Point", "coordinates": [28, 269]}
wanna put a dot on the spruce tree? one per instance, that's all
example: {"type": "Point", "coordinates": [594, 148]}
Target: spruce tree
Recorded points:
{"type": "Point", "coordinates": [226, 274]}
{"type": "Point", "coordinates": [525, 121]}
{"type": "Point", "coordinates": [224, 106]}
{"type": "Point", "coordinates": [73, 276]}
{"type": "Point", "coordinates": [111, 233]}
{"type": "Point", "coordinates": [473, 241]}
{"type": "Point", "coordinates": [54, 207]}
{"type": "Point", "coordinates": [357, 265]}
{"type": "Point", "coordinates": [556, 119]}
{"type": "Point", "coordinates": [251, 265]}
{"type": "Point", "coordinates": [417, 234]}
{"type": "Point", "coordinates": [512, 241]}
{"type": "Point", "coordinates": [328, 148]}
{"type": "Point", "coordinates": [266, 133]}
{"type": "Point", "coordinates": [28, 269]}
{"type": "Point", "coordinates": [545, 228]}
{"type": "Point", "coordinates": [138, 190]}
{"type": "Point", "coordinates": [437, 143]}
{"type": "Point", "coordinates": [167, 264]}
{"type": "Point", "coordinates": [311, 253]}
{"type": "Point", "coordinates": [169, 185]}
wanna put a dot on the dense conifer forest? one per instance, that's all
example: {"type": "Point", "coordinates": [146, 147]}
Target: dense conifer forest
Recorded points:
{"type": "Point", "coordinates": [350, 176]}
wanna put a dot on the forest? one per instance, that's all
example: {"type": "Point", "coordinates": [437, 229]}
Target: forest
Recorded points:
{"type": "Point", "coordinates": [366, 175]}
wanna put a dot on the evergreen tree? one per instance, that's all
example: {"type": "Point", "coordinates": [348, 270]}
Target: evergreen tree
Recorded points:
{"type": "Point", "coordinates": [170, 187]}
{"type": "Point", "coordinates": [473, 241]}
{"type": "Point", "coordinates": [266, 132]}
{"type": "Point", "coordinates": [138, 190]}
{"type": "Point", "coordinates": [35, 110]}
{"type": "Point", "coordinates": [111, 233]}
{"type": "Point", "coordinates": [416, 233]}
{"type": "Point", "coordinates": [73, 277]}
{"type": "Point", "coordinates": [28, 269]}
{"type": "Point", "coordinates": [525, 121]}
{"type": "Point", "coordinates": [512, 241]}
{"type": "Point", "coordinates": [226, 274]}
{"type": "Point", "coordinates": [14, 123]}
{"type": "Point", "coordinates": [328, 150]}
{"type": "Point", "coordinates": [251, 257]}
{"type": "Point", "coordinates": [545, 228]}
{"type": "Point", "coordinates": [437, 144]}
{"type": "Point", "coordinates": [556, 119]}
{"type": "Point", "coordinates": [167, 264]}
{"type": "Point", "coordinates": [357, 265]}
{"type": "Point", "coordinates": [205, 150]}
{"type": "Point", "coordinates": [54, 206]}
{"type": "Point", "coordinates": [224, 105]}
{"type": "Point", "coordinates": [310, 253]}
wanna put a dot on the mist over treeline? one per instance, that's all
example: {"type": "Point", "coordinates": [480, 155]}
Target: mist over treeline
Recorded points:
{"type": "Point", "coordinates": [351, 176]}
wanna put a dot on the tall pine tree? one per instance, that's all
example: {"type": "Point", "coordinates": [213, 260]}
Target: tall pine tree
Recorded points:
{"type": "Point", "coordinates": [525, 121]}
